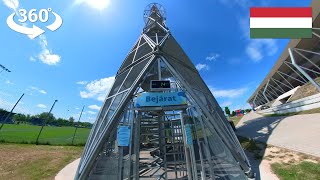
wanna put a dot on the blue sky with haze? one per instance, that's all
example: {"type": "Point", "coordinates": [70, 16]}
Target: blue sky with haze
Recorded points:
{"type": "Point", "coordinates": [76, 64]}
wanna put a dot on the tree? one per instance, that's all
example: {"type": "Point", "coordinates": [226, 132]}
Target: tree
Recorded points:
{"type": "Point", "coordinates": [233, 113]}
{"type": "Point", "coordinates": [71, 119]}
{"type": "Point", "coordinates": [46, 117]}
{"type": "Point", "coordinates": [227, 110]}
{"type": "Point", "coordinates": [21, 118]}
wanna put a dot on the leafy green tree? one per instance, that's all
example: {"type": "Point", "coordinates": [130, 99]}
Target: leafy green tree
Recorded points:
{"type": "Point", "coordinates": [47, 118]}
{"type": "Point", "coordinates": [71, 119]}
{"type": "Point", "coordinates": [227, 110]}
{"type": "Point", "coordinates": [21, 118]}
{"type": "Point", "coordinates": [233, 113]}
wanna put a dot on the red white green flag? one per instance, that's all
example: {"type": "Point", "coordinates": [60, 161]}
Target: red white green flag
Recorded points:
{"type": "Point", "coordinates": [271, 22]}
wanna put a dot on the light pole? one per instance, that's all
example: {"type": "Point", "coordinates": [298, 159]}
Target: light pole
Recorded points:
{"type": "Point", "coordinates": [75, 131]}
{"type": "Point", "coordinates": [37, 141]}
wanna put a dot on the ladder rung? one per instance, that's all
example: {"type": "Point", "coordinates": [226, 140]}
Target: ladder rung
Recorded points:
{"type": "Point", "coordinates": [177, 163]}
{"type": "Point", "coordinates": [176, 144]}
{"type": "Point", "coordinates": [150, 134]}
{"type": "Point", "coordinates": [149, 125]}
{"type": "Point", "coordinates": [170, 128]}
{"type": "Point", "coordinates": [172, 153]}
{"type": "Point", "coordinates": [171, 121]}
{"type": "Point", "coordinates": [178, 169]}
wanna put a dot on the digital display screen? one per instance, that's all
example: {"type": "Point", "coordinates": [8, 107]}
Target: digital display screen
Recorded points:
{"type": "Point", "coordinates": [160, 84]}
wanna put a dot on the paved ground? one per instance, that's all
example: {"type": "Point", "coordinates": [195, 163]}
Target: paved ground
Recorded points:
{"type": "Point", "coordinates": [68, 172]}
{"type": "Point", "coordinates": [299, 133]}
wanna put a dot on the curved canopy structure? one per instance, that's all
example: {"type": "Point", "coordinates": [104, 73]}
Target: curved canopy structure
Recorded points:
{"type": "Point", "coordinates": [298, 64]}
{"type": "Point", "coordinates": [160, 120]}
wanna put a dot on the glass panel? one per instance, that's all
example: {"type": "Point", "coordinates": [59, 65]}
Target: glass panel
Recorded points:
{"type": "Point", "coordinates": [143, 50]}
{"type": "Point", "coordinates": [136, 70]}
{"type": "Point", "coordinates": [172, 48]}
{"type": "Point", "coordinates": [107, 163]}
{"type": "Point", "coordinates": [127, 61]}
{"type": "Point", "coordinates": [113, 107]}
{"type": "Point", "coordinates": [118, 81]}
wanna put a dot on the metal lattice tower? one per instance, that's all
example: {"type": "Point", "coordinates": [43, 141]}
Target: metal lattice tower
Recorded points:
{"type": "Point", "coordinates": [191, 140]}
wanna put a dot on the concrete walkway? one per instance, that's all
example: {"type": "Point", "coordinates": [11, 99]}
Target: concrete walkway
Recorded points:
{"type": "Point", "coordinates": [298, 133]}
{"type": "Point", "coordinates": [68, 172]}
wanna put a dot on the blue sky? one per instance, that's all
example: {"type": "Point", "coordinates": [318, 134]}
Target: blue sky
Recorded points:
{"type": "Point", "coordinates": [76, 64]}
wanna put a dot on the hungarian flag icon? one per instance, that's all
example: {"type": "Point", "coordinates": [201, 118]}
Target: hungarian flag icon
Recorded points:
{"type": "Point", "coordinates": [275, 22]}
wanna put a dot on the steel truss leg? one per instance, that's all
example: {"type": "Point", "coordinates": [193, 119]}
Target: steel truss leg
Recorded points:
{"type": "Point", "coordinates": [264, 91]}
{"type": "Point", "coordinates": [285, 80]}
{"type": "Point", "coordinates": [299, 53]}
{"type": "Point", "coordinates": [291, 77]}
{"type": "Point", "coordinates": [302, 71]}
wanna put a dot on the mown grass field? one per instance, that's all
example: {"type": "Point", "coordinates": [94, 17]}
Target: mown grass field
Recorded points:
{"type": "Point", "coordinates": [27, 134]}
{"type": "Point", "coordinates": [32, 162]}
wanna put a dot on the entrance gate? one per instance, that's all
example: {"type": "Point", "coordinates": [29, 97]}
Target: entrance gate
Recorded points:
{"type": "Point", "coordinates": [163, 153]}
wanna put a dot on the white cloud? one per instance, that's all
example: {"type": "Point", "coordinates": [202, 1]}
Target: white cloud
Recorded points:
{"type": "Point", "coordinates": [98, 89]}
{"type": "Point", "coordinates": [97, 4]}
{"type": "Point", "coordinates": [46, 56]}
{"type": "Point", "coordinates": [42, 106]}
{"type": "Point", "coordinates": [32, 59]}
{"type": "Point", "coordinates": [94, 107]}
{"type": "Point", "coordinates": [91, 112]}
{"type": "Point", "coordinates": [258, 48]}
{"type": "Point", "coordinates": [42, 91]}
{"type": "Point", "coordinates": [12, 4]}
{"type": "Point", "coordinates": [202, 67]}
{"type": "Point", "coordinates": [82, 82]}
{"type": "Point", "coordinates": [38, 90]}
{"type": "Point", "coordinates": [9, 82]}
{"type": "Point", "coordinates": [230, 3]}
{"type": "Point", "coordinates": [213, 57]}
{"type": "Point", "coordinates": [226, 103]}
{"type": "Point", "coordinates": [228, 93]}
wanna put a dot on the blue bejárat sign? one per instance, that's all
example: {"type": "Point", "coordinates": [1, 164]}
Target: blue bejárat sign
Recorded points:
{"type": "Point", "coordinates": [148, 99]}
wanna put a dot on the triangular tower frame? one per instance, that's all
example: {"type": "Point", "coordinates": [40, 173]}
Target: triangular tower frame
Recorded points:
{"type": "Point", "coordinates": [214, 153]}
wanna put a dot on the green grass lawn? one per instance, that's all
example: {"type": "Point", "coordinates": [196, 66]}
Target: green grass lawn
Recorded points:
{"type": "Point", "coordinates": [303, 170]}
{"type": "Point", "coordinates": [32, 162]}
{"type": "Point", "coordinates": [13, 133]}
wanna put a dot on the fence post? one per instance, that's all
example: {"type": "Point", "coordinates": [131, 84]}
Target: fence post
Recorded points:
{"type": "Point", "coordinates": [5, 120]}
{"type": "Point", "coordinates": [44, 122]}
{"type": "Point", "coordinates": [75, 131]}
